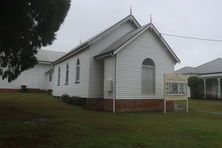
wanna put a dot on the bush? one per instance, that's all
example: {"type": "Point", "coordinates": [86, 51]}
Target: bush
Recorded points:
{"type": "Point", "coordinates": [74, 100]}
{"type": "Point", "coordinates": [196, 87]}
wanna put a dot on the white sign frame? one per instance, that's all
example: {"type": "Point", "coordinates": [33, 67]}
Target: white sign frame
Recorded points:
{"type": "Point", "coordinates": [179, 80]}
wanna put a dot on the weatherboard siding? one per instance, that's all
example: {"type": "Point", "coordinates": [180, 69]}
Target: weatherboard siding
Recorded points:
{"type": "Point", "coordinates": [96, 77]}
{"type": "Point", "coordinates": [109, 74]}
{"type": "Point", "coordinates": [72, 88]}
{"type": "Point", "coordinates": [26, 78]}
{"type": "Point", "coordinates": [129, 66]}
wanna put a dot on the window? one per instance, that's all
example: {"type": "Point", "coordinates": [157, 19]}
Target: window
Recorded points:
{"type": "Point", "coordinates": [58, 76]}
{"type": "Point", "coordinates": [50, 77]}
{"type": "Point", "coordinates": [148, 76]}
{"type": "Point", "coordinates": [77, 71]}
{"type": "Point", "coordinates": [67, 74]}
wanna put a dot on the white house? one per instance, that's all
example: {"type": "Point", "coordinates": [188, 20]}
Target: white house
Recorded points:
{"type": "Point", "coordinates": [119, 69]}
{"type": "Point", "coordinates": [210, 73]}
{"type": "Point", "coordinates": [34, 78]}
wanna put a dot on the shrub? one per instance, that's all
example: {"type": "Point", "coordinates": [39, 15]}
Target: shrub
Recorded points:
{"type": "Point", "coordinates": [196, 87]}
{"type": "Point", "coordinates": [74, 100]}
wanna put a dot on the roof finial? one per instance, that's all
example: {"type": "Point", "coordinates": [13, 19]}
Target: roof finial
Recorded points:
{"type": "Point", "coordinates": [80, 41]}
{"type": "Point", "coordinates": [131, 13]}
{"type": "Point", "coordinates": [151, 19]}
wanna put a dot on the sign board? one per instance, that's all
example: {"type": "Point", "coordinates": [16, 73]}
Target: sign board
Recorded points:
{"type": "Point", "coordinates": [175, 88]}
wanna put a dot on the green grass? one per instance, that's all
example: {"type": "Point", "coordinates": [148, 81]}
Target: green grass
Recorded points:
{"type": "Point", "coordinates": [38, 120]}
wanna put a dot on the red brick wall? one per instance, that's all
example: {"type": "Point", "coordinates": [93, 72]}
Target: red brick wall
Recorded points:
{"type": "Point", "coordinates": [145, 105]}
{"type": "Point", "coordinates": [130, 105]}
{"type": "Point", "coordinates": [16, 90]}
{"type": "Point", "coordinates": [8, 90]}
{"type": "Point", "coordinates": [100, 104]}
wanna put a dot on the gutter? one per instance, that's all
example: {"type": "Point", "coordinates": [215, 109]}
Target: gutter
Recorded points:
{"type": "Point", "coordinates": [44, 62]}
{"type": "Point", "coordinates": [210, 73]}
{"type": "Point", "coordinates": [104, 55]}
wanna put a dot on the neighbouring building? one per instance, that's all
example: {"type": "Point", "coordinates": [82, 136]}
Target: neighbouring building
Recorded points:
{"type": "Point", "coordinates": [34, 78]}
{"type": "Point", "coordinates": [210, 73]}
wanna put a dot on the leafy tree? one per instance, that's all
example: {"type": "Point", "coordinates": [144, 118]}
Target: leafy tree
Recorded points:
{"type": "Point", "coordinates": [196, 87]}
{"type": "Point", "coordinates": [26, 26]}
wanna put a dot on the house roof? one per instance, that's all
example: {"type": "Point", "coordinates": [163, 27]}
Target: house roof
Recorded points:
{"type": "Point", "coordinates": [48, 55]}
{"type": "Point", "coordinates": [95, 38]}
{"type": "Point", "coordinates": [212, 67]}
{"type": "Point", "coordinates": [187, 70]}
{"type": "Point", "coordinates": [129, 37]}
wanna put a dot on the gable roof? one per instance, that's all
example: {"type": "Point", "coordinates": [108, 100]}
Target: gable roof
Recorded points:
{"type": "Point", "coordinates": [211, 67]}
{"type": "Point", "coordinates": [129, 37]}
{"type": "Point", "coordinates": [48, 55]}
{"type": "Point", "coordinates": [97, 37]}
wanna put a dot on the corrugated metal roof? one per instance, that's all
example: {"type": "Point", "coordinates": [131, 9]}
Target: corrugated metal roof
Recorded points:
{"type": "Point", "coordinates": [187, 70]}
{"type": "Point", "coordinates": [124, 40]}
{"type": "Point", "coordinates": [48, 55]}
{"type": "Point", "coordinates": [86, 44]}
{"type": "Point", "coordinates": [214, 66]}
{"type": "Point", "coordinates": [121, 41]}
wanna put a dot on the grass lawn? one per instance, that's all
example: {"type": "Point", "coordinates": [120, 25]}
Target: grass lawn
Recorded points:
{"type": "Point", "coordinates": [38, 120]}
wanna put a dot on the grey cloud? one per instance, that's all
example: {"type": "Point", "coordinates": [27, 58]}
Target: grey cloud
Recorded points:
{"type": "Point", "coordinates": [199, 18]}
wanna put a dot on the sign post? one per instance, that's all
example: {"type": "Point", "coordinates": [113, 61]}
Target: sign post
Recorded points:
{"type": "Point", "coordinates": [175, 88]}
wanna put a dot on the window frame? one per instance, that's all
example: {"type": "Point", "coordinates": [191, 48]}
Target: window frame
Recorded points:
{"type": "Point", "coordinates": [77, 78]}
{"type": "Point", "coordinates": [148, 63]}
{"type": "Point", "coordinates": [59, 76]}
{"type": "Point", "coordinates": [67, 74]}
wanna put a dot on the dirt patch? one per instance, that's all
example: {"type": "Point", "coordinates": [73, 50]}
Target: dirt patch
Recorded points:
{"type": "Point", "coordinates": [16, 142]}
{"type": "Point", "coordinates": [13, 112]}
{"type": "Point", "coordinates": [37, 121]}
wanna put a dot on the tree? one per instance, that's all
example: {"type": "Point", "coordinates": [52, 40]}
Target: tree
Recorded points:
{"type": "Point", "coordinates": [196, 87]}
{"type": "Point", "coordinates": [25, 27]}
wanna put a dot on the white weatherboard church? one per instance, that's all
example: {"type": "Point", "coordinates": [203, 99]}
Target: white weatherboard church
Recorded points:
{"type": "Point", "coordinates": [120, 69]}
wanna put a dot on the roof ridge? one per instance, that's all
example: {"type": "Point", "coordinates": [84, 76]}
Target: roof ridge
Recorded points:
{"type": "Point", "coordinates": [90, 40]}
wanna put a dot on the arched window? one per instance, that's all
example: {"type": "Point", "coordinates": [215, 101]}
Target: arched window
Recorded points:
{"type": "Point", "coordinates": [58, 83]}
{"type": "Point", "coordinates": [77, 71]}
{"type": "Point", "coordinates": [67, 74]}
{"type": "Point", "coordinates": [148, 76]}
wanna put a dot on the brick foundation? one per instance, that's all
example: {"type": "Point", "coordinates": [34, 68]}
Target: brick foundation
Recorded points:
{"type": "Point", "coordinates": [28, 90]}
{"type": "Point", "coordinates": [100, 104]}
{"type": "Point", "coordinates": [8, 90]}
{"type": "Point", "coordinates": [130, 105]}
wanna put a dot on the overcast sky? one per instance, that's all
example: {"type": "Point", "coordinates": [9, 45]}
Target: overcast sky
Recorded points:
{"type": "Point", "coordinates": [196, 18]}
